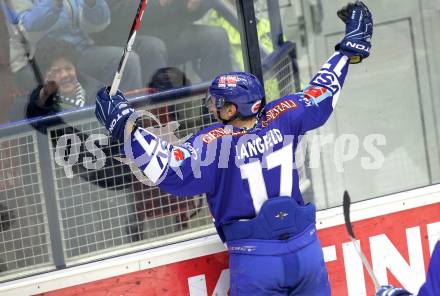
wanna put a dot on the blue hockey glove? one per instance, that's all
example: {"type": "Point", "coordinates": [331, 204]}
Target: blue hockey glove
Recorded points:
{"type": "Point", "coordinates": [358, 31]}
{"type": "Point", "coordinates": [113, 112]}
{"type": "Point", "coordinates": [392, 291]}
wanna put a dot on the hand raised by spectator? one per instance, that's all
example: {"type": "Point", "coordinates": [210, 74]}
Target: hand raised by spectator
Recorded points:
{"type": "Point", "coordinates": [48, 89]}
{"type": "Point", "coordinates": [193, 5]}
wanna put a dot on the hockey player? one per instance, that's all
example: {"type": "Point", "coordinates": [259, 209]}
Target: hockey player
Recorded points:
{"type": "Point", "coordinates": [245, 165]}
{"type": "Point", "coordinates": [430, 288]}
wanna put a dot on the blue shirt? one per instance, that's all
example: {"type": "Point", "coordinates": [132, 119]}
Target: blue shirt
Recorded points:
{"type": "Point", "coordinates": [72, 22]}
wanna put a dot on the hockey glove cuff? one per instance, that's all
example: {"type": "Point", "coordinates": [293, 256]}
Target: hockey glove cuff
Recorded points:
{"type": "Point", "coordinates": [356, 43]}
{"type": "Point", "coordinates": [355, 50]}
{"type": "Point", "coordinates": [113, 112]}
{"type": "Point", "coordinates": [389, 290]}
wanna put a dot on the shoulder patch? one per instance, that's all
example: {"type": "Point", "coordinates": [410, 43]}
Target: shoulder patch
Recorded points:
{"type": "Point", "coordinates": [275, 111]}
{"type": "Point", "coordinates": [313, 95]}
{"type": "Point", "coordinates": [220, 132]}
{"type": "Point", "coordinates": [178, 155]}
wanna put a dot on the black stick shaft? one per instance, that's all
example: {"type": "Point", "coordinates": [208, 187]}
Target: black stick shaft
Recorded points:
{"type": "Point", "coordinates": [131, 37]}
{"type": "Point", "coordinates": [346, 207]}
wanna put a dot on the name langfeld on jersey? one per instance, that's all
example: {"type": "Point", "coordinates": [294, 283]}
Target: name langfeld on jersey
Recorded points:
{"type": "Point", "coordinates": [258, 145]}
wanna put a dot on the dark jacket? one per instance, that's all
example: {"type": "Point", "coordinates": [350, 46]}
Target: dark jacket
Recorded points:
{"type": "Point", "coordinates": [53, 105]}
{"type": "Point", "coordinates": [113, 175]}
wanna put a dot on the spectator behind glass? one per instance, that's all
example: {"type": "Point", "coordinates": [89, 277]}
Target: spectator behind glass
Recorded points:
{"type": "Point", "coordinates": [172, 21]}
{"type": "Point", "coordinates": [6, 87]}
{"type": "Point", "coordinates": [64, 87]}
{"type": "Point", "coordinates": [70, 21]}
{"type": "Point", "coordinates": [168, 78]}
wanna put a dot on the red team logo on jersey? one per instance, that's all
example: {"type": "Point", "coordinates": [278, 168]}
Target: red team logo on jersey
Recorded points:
{"type": "Point", "coordinates": [228, 81]}
{"type": "Point", "coordinates": [314, 92]}
{"type": "Point", "coordinates": [178, 154]}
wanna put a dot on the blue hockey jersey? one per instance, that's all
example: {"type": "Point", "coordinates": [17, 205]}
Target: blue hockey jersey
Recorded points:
{"type": "Point", "coordinates": [239, 169]}
{"type": "Point", "coordinates": [432, 285]}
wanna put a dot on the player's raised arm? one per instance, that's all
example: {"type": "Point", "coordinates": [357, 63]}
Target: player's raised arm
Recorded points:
{"type": "Point", "coordinates": [175, 169]}
{"type": "Point", "coordinates": [321, 95]}
{"type": "Point", "coordinates": [166, 165]}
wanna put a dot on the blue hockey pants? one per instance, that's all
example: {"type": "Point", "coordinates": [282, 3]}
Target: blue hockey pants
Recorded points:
{"type": "Point", "coordinates": [265, 267]}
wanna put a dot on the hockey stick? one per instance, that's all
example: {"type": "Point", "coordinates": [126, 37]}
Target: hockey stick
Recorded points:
{"type": "Point", "coordinates": [128, 47]}
{"type": "Point", "coordinates": [346, 206]}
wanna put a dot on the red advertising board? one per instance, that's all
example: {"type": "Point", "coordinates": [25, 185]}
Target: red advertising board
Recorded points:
{"type": "Point", "coordinates": [398, 245]}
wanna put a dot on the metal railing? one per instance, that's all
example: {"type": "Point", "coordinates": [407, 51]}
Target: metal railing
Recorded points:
{"type": "Point", "coordinates": [24, 236]}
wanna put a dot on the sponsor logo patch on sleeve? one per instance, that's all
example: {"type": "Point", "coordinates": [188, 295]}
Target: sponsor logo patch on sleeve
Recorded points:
{"type": "Point", "coordinates": [180, 153]}
{"type": "Point", "coordinates": [313, 95]}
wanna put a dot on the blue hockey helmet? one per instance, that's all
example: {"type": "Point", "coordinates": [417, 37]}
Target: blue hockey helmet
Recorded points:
{"type": "Point", "coordinates": [244, 90]}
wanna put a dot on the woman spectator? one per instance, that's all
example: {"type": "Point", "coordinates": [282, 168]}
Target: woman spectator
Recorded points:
{"type": "Point", "coordinates": [64, 87]}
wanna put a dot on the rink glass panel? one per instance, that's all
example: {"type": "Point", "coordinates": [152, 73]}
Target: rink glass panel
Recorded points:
{"type": "Point", "coordinates": [95, 214]}
{"type": "Point", "coordinates": [24, 233]}
{"type": "Point", "coordinates": [108, 208]}
{"type": "Point", "coordinates": [391, 99]}
{"type": "Point", "coordinates": [107, 212]}
{"type": "Point", "coordinates": [186, 61]}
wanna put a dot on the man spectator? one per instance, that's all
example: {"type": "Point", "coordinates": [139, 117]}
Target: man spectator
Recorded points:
{"type": "Point", "coordinates": [172, 22]}
{"type": "Point", "coordinates": [64, 87]}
